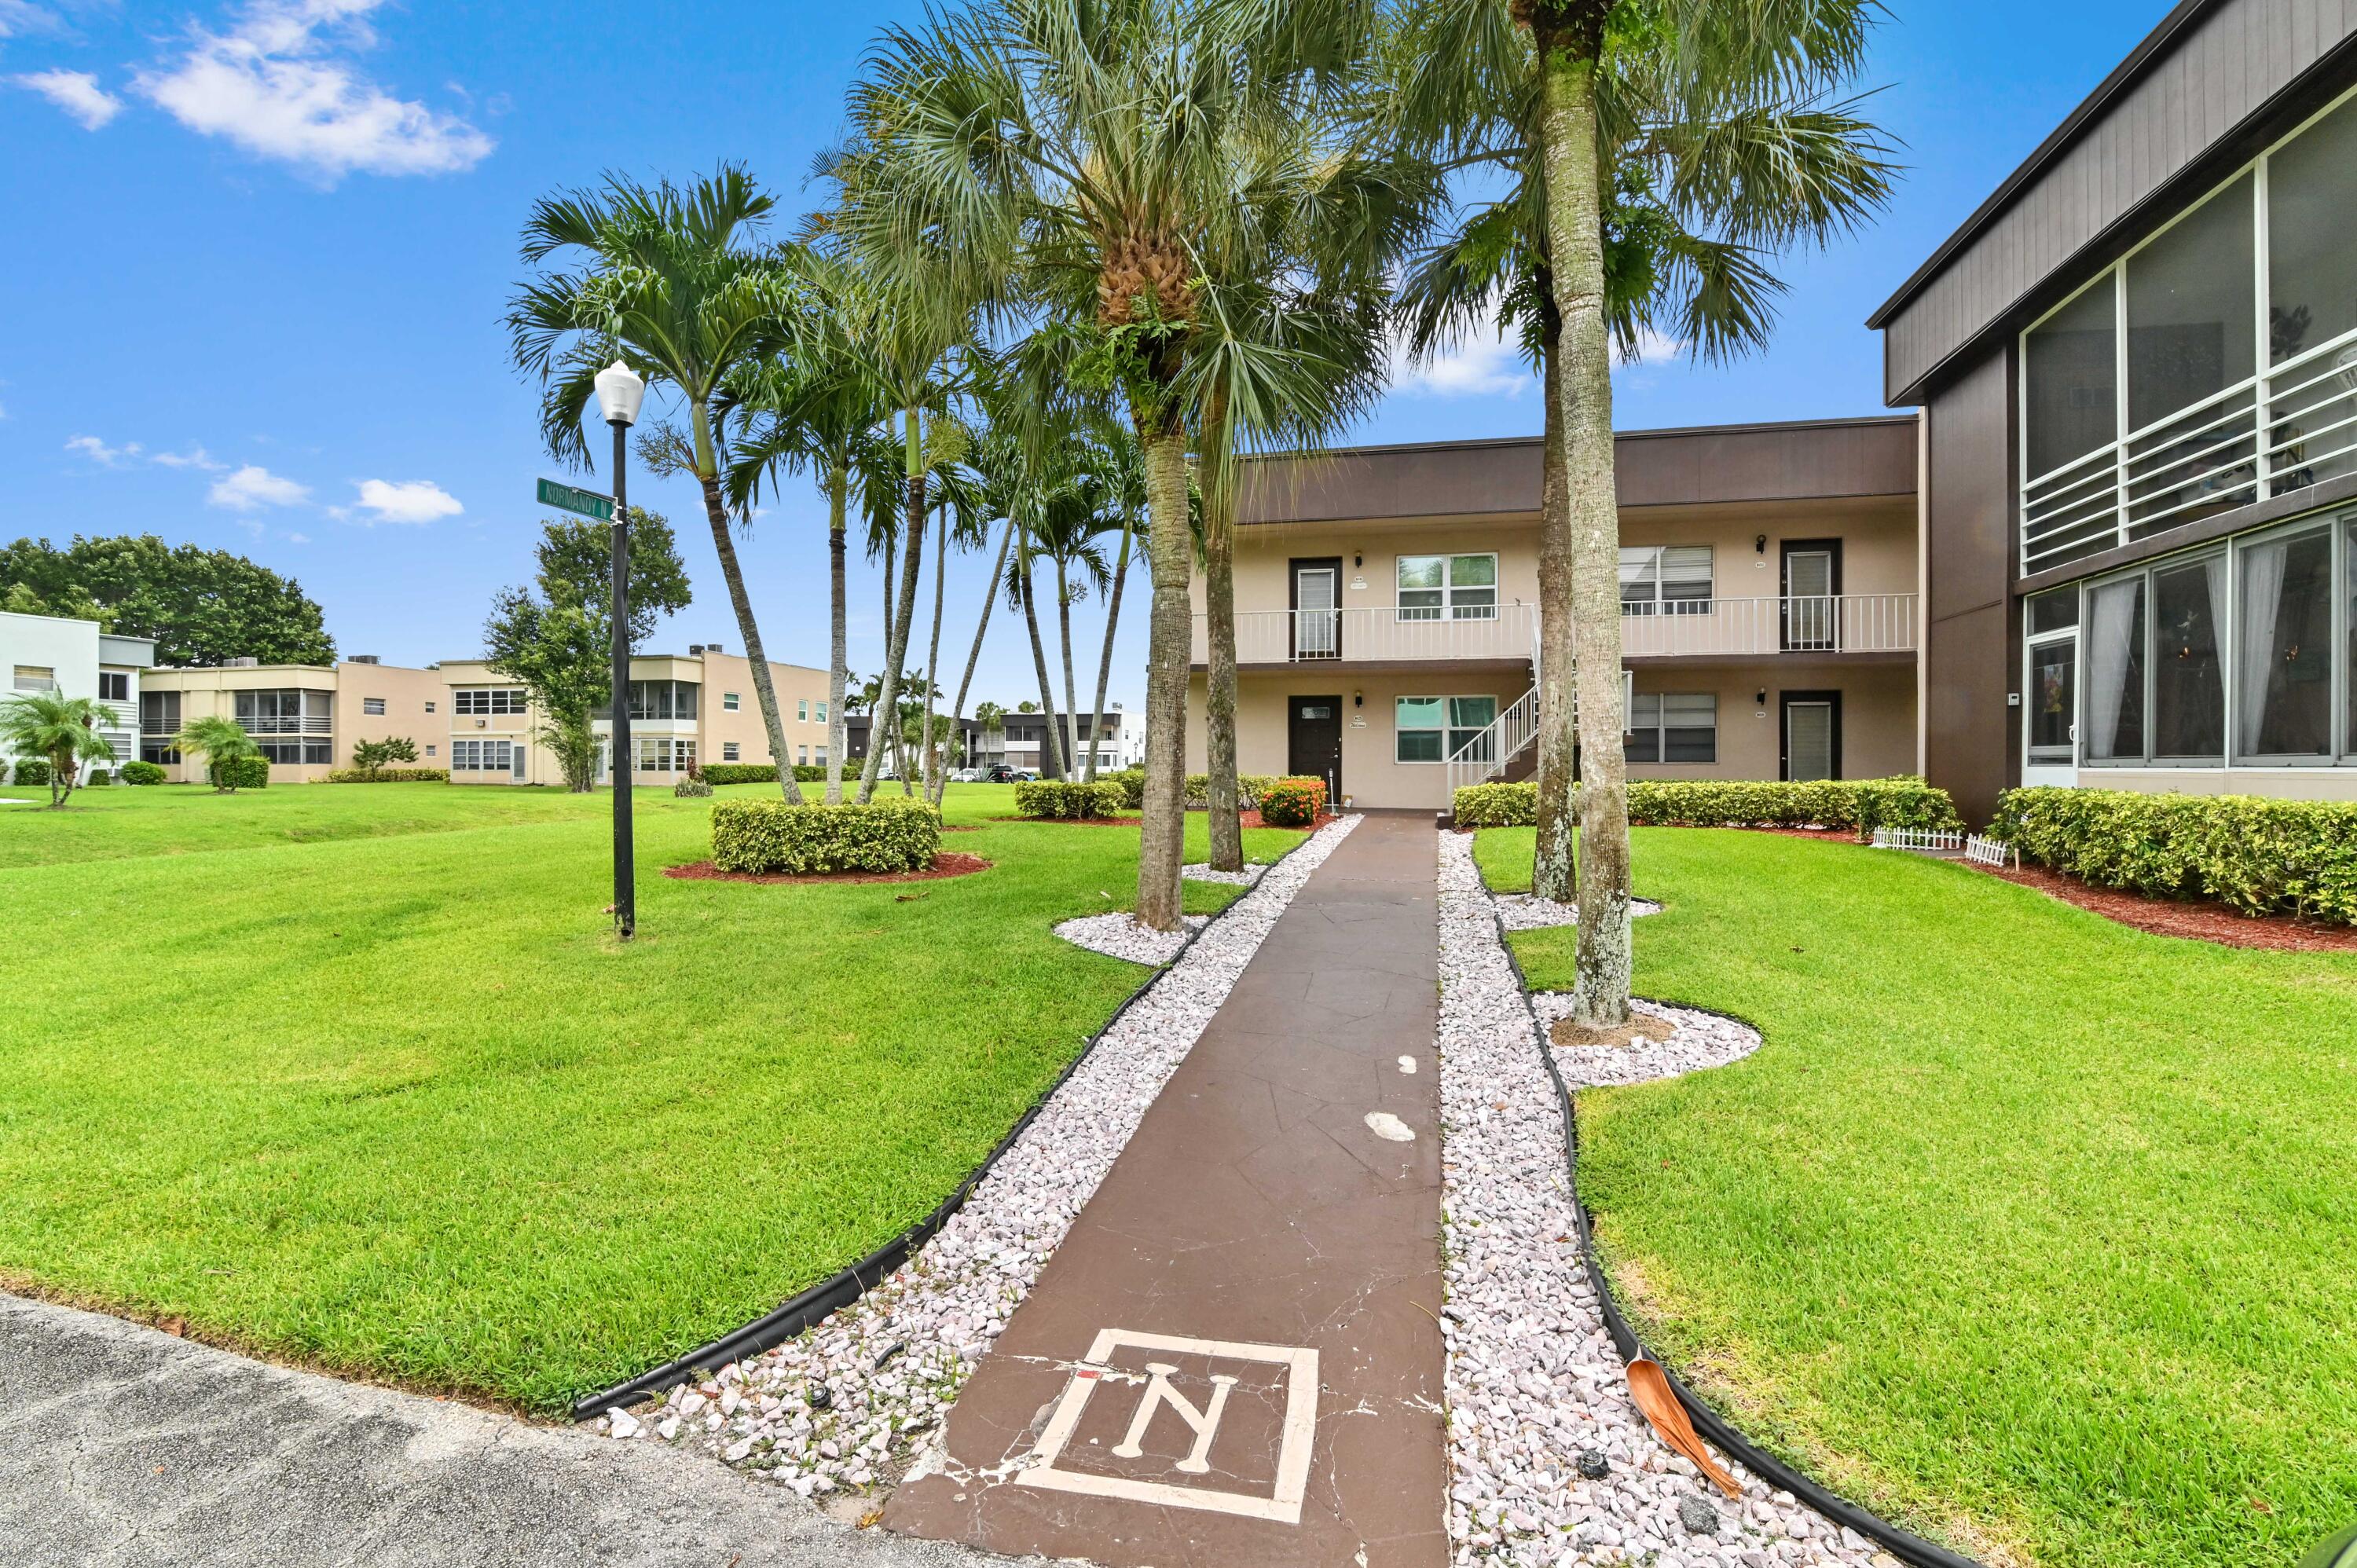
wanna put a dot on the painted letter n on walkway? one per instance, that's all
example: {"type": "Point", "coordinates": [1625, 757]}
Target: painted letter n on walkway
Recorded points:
{"type": "Point", "coordinates": [1286, 1376]}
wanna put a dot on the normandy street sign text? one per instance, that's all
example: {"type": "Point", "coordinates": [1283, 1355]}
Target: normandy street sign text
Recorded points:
{"type": "Point", "coordinates": [568, 498]}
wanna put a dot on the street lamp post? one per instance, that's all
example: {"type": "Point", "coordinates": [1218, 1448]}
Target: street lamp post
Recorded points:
{"type": "Point", "coordinates": [619, 390]}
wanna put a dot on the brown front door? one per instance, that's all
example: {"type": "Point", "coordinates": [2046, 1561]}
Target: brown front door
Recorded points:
{"type": "Point", "coordinates": [1313, 741]}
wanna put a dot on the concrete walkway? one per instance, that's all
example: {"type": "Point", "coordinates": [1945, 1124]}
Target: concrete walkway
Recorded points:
{"type": "Point", "coordinates": [1235, 1358]}
{"type": "Point", "coordinates": [125, 1447]}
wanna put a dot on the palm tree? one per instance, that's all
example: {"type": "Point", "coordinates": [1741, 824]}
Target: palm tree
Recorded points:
{"type": "Point", "coordinates": [62, 729]}
{"type": "Point", "coordinates": [1699, 137]}
{"type": "Point", "coordinates": [1065, 529]}
{"type": "Point", "coordinates": [666, 281]}
{"type": "Point", "coordinates": [219, 741]}
{"type": "Point", "coordinates": [1086, 154]}
{"type": "Point", "coordinates": [821, 409]}
{"type": "Point", "coordinates": [1125, 480]}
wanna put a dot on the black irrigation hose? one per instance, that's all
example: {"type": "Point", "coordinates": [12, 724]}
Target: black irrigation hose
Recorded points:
{"type": "Point", "coordinates": [1902, 1544]}
{"type": "Point", "coordinates": [840, 1291]}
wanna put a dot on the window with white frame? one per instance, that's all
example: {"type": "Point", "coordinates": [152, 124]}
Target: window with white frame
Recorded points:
{"type": "Point", "coordinates": [821, 710]}
{"type": "Point", "coordinates": [488, 699]}
{"type": "Point", "coordinates": [113, 686]}
{"type": "Point", "coordinates": [372, 706]}
{"type": "Point", "coordinates": [818, 756]}
{"type": "Point", "coordinates": [479, 755]}
{"type": "Point", "coordinates": [727, 751]}
{"type": "Point", "coordinates": [663, 753]}
{"type": "Point", "coordinates": [429, 706]}
{"type": "Point", "coordinates": [430, 748]}
{"type": "Point", "coordinates": [1434, 729]}
{"type": "Point", "coordinates": [802, 710]}
{"type": "Point", "coordinates": [2206, 369]}
{"type": "Point", "coordinates": [1447, 588]}
{"type": "Point", "coordinates": [1664, 579]}
{"type": "Point", "coordinates": [36, 678]}
{"type": "Point", "coordinates": [729, 702]}
{"type": "Point", "coordinates": [805, 756]}
{"type": "Point", "coordinates": [1672, 727]}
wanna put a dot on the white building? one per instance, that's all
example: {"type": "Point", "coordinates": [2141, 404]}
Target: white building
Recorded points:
{"type": "Point", "coordinates": [76, 659]}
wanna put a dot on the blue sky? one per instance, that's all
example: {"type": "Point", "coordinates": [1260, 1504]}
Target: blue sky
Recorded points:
{"type": "Point", "coordinates": [259, 255]}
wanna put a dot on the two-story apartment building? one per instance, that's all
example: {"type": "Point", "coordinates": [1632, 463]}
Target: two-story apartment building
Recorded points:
{"type": "Point", "coordinates": [1387, 609]}
{"type": "Point", "coordinates": [306, 718]}
{"type": "Point", "coordinates": [686, 710]}
{"type": "Point", "coordinates": [61, 656]}
{"type": "Point", "coordinates": [2138, 366]}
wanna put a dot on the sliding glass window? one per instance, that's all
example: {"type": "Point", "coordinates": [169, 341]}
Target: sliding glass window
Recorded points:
{"type": "Point", "coordinates": [2115, 634]}
{"type": "Point", "coordinates": [2283, 647]}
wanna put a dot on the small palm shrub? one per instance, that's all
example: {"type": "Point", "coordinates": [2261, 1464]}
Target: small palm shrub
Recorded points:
{"type": "Point", "coordinates": [1292, 802]}
{"type": "Point", "coordinates": [899, 833]}
{"type": "Point", "coordinates": [1069, 799]}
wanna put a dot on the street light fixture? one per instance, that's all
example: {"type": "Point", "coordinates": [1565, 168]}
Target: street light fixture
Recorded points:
{"type": "Point", "coordinates": [619, 392]}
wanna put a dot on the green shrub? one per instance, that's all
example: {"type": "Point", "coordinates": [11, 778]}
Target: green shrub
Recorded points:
{"type": "Point", "coordinates": [759, 772]}
{"type": "Point", "coordinates": [2257, 855]}
{"type": "Point", "coordinates": [1496, 805]}
{"type": "Point", "coordinates": [33, 770]}
{"type": "Point", "coordinates": [691, 788]}
{"type": "Point", "coordinates": [390, 776]}
{"type": "Point", "coordinates": [1068, 798]}
{"type": "Point", "coordinates": [1132, 787]}
{"type": "Point", "coordinates": [808, 772]}
{"type": "Point", "coordinates": [244, 773]}
{"type": "Point", "coordinates": [899, 833]}
{"type": "Point", "coordinates": [98, 778]}
{"type": "Point", "coordinates": [1292, 802]}
{"type": "Point", "coordinates": [1248, 788]}
{"type": "Point", "coordinates": [142, 773]}
{"type": "Point", "coordinates": [1860, 805]}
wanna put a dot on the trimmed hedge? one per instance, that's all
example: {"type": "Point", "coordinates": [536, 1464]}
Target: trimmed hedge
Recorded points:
{"type": "Point", "coordinates": [142, 773]}
{"type": "Point", "coordinates": [390, 776]}
{"type": "Point", "coordinates": [98, 779]}
{"type": "Point", "coordinates": [1248, 788]}
{"type": "Point", "coordinates": [1860, 805]}
{"type": "Point", "coordinates": [1068, 800]}
{"type": "Point", "coordinates": [902, 833]}
{"type": "Point", "coordinates": [691, 788]}
{"type": "Point", "coordinates": [763, 773]}
{"type": "Point", "coordinates": [31, 771]}
{"type": "Point", "coordinates": [244, 773]}
{"type": "Point", "coordinates": [2258, 855]}
{"type": "Point", "coordinates": [1292, 802]}
{"type": "Point", "coordinates": [1132, 787]}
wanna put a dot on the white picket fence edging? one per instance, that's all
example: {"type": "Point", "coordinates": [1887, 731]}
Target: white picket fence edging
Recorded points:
{"type": "Point", "coordinates": [1919, 839]}
{"type": "Point", "coordinates": [1984, 851]}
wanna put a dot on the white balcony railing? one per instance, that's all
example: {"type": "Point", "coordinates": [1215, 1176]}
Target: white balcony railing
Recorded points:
{"type": "Point", "coordinates": [1746, 628]}
{"type": "Point", "coordinates": [1328, 637]}
{"type": "Point", "coordinates": [2207, 459]}
{"type": "Point", "coordinates": [319, 725]}
{"type": "Point", "coordinates": [1489, 753]}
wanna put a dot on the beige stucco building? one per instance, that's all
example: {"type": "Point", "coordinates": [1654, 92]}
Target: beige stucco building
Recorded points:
{"type": "Point", "coordinates": [304, 717]}
{"type": "Point", "coordinates": [686, 710]}
{"type": "Point", "coordinates": [1387, 618]}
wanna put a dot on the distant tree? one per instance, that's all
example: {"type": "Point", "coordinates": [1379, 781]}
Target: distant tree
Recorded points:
{"type": "Point", "coordinates": [203, 606]}
{"type": "Point", "coordinates": [219, 741]}
{"type": "Point", "coordinates": [1027, 706]}
{"type": "Point", "coordinates": [61, 730]}
{"type": "Point", "coordinates": [991, 718]}
{"type": "Point", "coordinates": [373, 755]}
{"type": "Point", "coordinates": [558, 640]}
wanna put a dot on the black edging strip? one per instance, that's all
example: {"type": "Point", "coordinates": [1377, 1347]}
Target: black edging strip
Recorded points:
{"type": "Point", "coordinates": [840, 1291]}
{"type": "Point", "coordinates": [1902, 1544]}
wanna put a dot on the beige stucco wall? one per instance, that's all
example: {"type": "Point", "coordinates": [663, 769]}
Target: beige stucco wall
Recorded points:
{"type": "Point", "coordinates": [1878, 716]}
{"type": "Point", "coordinates": [211, 692]}
{"type": "Point", "coordinates": [1372, 773]}
{"type": "Point", "coordinates": [801, 696]}
{"type": "Point", "coordinates": [2275, 783]}
{"type": "Point", "coordinates": [413, 709]}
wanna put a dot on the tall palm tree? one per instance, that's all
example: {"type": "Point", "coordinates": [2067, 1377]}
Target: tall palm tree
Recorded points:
{"type": "Point", "coordinates": [666, 279]}
{"type": "Point", "coordinates": [1064, 531]}
{"type": "Point", "coordinates": [1085, 153]}
{"type": "Point", "coordinates": [820, 409]}
{"type": "Point", "coordinates": [63, 730]}
{"type": "Point", "coordinates": [1125, 480]}
{"type": "Point", "coordinates": [219, 741]}
{"type": "Point", "coordinates": [1663, 149]}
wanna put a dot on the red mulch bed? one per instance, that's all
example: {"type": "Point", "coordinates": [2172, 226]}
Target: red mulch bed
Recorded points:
{"type": "Point", "coordinates": [944, 864]}
{"type": "Point", "coordinates": [2199, 920]}
{"type": "Point", "coordinates": [1247, 819]}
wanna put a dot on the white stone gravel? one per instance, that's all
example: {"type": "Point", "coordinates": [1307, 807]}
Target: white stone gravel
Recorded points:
{"type": "Point", "coordinates": [1702, 1040]}
{"type": "Point", "coordinates": [1205, 873]}
{"type": "Point", "coordinates": [885, 1370]}
{"type": "Point", "coordinates": [1529, 912]}
{"type": "Point", "coordinates": [1533, 1382]}
{"type": "Point", "coordinates": [1118, 936]}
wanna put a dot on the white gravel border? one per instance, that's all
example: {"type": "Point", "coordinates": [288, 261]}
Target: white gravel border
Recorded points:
{"type": "Point", "coordinates": [1529, 912]}
{"type": "Point", "coordinates": [1702, 1040]}
{"type": "Point", "coordinates": [1534, 1380]}
{"type": "Point", "coordinates": [1119, 936]}
{"type": "Point", "coordinates": [884, 1369]}
{"type": "Point", "coordinates": [1205, 873]}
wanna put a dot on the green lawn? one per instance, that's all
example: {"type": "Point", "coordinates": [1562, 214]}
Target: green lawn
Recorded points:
{"type": "Point", "coordinates": [356, 1074]}
{"type": "Point", "coordinates": [2033, 1230]}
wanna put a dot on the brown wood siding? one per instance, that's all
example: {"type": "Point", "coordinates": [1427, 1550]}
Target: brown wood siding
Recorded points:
{"type": "Point", "coordinates": [2229, 81]}
{"type": "Point", "coordinates": [1968, 572]}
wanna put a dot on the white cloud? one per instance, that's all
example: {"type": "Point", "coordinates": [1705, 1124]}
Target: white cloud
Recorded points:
{"type": "Point", "coordinates": [1481, 364]}
{"type": "Point", "coordinates": [1653, 348]}
{"type": "Point", "coordinates": [194, 458]}
{"type": "Point", "coordinates": [99, 452]}
{"type": "Point", "coordinates": [298, 539]}
{"type": "Point", "coordinates": [274, 85]}
{"type": "Point", "coordinates": [21, 17]}
{"type": "Point", "coordinates": [77, 93]}
{"type": "Point", "coordinates": [253, 487]}
{"type": "Point", "coordinates": [409, 500]}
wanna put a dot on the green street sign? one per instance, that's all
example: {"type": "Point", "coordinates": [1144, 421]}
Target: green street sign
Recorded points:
{"type": "Point", "coordinates": [568, 498]}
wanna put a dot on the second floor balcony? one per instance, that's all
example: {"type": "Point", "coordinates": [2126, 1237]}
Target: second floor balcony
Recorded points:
{"type": "Point", "coordinates": [1821, 627]}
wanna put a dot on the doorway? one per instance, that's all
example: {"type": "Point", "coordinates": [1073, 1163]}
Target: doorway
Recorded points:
{"type": "Point", "coordinates": [1811, 725]}
{"type": "Point", "coordinates": [1317, 596]}
{"type": "Point", "coordinates": [1313, 741]}
{"type": "Point", "coordinates": [2049, 703]}
{"type": "Point", "coordinates": [1812, 594]}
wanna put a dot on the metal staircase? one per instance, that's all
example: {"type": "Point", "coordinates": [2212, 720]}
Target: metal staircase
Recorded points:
{"type": "Point", "coordinates": [1497, 750]}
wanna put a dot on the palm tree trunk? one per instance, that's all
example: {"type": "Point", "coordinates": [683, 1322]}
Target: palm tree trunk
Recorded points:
{"type": "Point", "coordinates": [1162, 845]}
{"type": "Point", "coordinates": [989, 597]}
{"type": "Point", "coordinates": [1112, 619]}
{"type": "Point", "coordinates": [716, 512]}
{"type": "Point", "coordinates": [888, 701]}
{"type": "Point", "coordinates": [1071, 696]}
{"type": "Point", "coordinates": [1574, 249]}
{"type": "Point", "coordinates": [933, 768]}
{"type": "Point", "coordinates": [1553, 867]}
{"type": "Point", "coordinates": [1051, 765]}
{"type": "Point", "coordinates": [1223, 795]}
{"type": "Point", "coordinates": [839, 669]}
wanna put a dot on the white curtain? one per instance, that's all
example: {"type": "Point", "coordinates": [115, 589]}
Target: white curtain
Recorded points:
{"type": "Point", "coordinates": [2112, 621]}
{"type": "Point", "coordinates": [2254, 639]}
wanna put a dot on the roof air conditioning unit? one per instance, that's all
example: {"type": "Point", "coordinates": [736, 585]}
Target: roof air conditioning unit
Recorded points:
{"type": "Point", "coordinates": [244, 662]}
{"type": "Point", "coordinates": [693, 649]}
{"type": "Point", "coordinates": [363, 659]}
